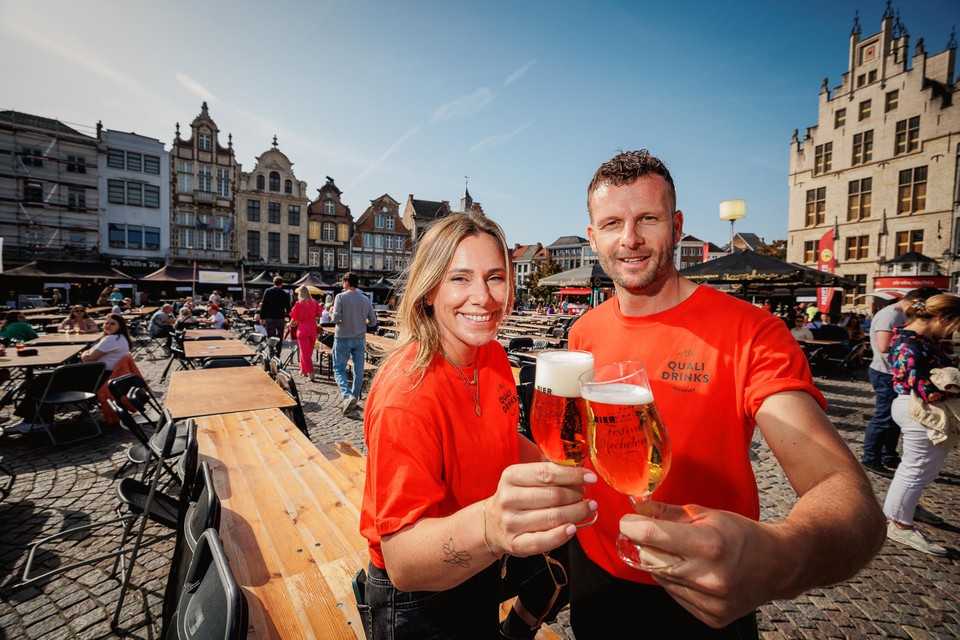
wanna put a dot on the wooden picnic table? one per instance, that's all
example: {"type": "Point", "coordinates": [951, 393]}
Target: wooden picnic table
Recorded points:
{"type": "Point", "coordinates": [30, 312]}
{"type": "Point", "coordinates": [96, 310]}
{"type": "Point", "coordinates": [46, 318]}
{"type": "Point", "coordinates": [50, 356]}
{"type": "Point", "coordinates": [202, 334]}
{"type": "Point", "coordinates": [49, 339]}
{"type": "Point", "coordinates": [205, 392]}
{"type": "Point", "coordinates": [216, 349]}
{"type": "Point", "coordinates": [140, 311]}
{"type": "Point", "coordinates": [290, 523]}
{"type": "Point", "coordinates": [381, 342]}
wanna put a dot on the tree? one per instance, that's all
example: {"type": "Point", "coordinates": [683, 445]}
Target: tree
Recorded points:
{"type": "Point", "coordinates": [542, 270]}
{"type": "Point", "coordinates": [776, 249]}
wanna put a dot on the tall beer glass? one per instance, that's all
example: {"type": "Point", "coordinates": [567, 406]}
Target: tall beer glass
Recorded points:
{"type": "Point", "coordinates": [629, 444]}
{"type": "Point", "coordinates": [558, 416]}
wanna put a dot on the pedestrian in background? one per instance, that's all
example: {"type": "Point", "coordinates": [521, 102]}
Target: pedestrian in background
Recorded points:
{"type": "Point", "coordinates": [303, 321]}
{"type": "Point", "coordinates": [915, 352]}
{"type": "Point", "coordinates": [352, 314]}
{"type": "Point", "coordinates": [883, 434]}
{"type": "Point", "coordinates": [274, 309]}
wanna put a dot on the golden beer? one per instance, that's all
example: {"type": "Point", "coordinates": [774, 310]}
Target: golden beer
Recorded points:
{"type": "Point", "coordinates": [628, 443]}
{"type": "Point", "coordinates": [557, 415]}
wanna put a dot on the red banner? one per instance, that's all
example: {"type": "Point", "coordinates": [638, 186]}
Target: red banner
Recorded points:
{"type": "Point", "coordinates": [826, 261]}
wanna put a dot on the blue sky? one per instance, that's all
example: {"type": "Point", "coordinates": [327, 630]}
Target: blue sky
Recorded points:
{"type": "Point", "coordinates": [525, 97]}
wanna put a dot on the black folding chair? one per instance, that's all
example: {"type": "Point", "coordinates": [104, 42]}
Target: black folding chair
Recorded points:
{"type": "Point", "coordinates": [295, 413]}
{"type": "Point", "coordinates": [274, 365]}
{"type": "Point", "coordinates": [211, 607]}
{"type": "Point", "coordinates": [225, 362]}
{"type": "Point", "coordinates": [137, 498]}
{"type": "Point", "coordinates": [528, 374]}
{"type": "Point", "coordinates": [520, 343]}
{"type": "Point", "coordinates": [179, 356]}
{"type": "Point", "coordinates": [70, 385]}
{"type": "Point", "coordinates": [199, 511]}
{"type": "Point", "coordinates": [148, 503]}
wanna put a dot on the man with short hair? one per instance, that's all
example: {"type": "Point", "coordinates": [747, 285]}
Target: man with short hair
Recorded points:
{"type": "Point", "coordinates": [274, 309]}
{"type": "Point", "coordinates": [882, 435]}
{"type": "Point", "coordinates": [352, 314]}
{"type": "Point", "coordinates": [711, 561]}
{"type": "Point", "coordinates": [161, 324]}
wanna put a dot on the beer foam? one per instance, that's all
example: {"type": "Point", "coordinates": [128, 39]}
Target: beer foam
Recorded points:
{"type": "Point", "coordinates": [626, 394]}
{"type": "Point", "coordinates": [558, 372]}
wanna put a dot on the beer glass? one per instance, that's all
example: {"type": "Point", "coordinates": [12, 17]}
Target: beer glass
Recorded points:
{"type": "Point", "coordinates": [628, 441]}
{"type": "Point", "coordinates": [557, 416]}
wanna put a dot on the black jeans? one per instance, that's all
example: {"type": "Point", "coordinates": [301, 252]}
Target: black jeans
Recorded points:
{"type": "Point", "coordinates": [603, 606]}
{"type": "Point", "coordinates": [469, 610]}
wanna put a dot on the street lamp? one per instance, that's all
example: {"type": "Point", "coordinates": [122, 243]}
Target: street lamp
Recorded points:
{"type": "Point", "coordinates": [732, 210]}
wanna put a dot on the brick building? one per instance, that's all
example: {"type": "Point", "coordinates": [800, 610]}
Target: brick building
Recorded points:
{"type": "Point", "coordinates": [880, 167]}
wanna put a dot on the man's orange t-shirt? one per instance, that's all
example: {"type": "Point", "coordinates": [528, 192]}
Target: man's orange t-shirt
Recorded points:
{"type": "Point", "coordinates": [429, 454]}
{"type": "Point", "coordinates": [711, 361]}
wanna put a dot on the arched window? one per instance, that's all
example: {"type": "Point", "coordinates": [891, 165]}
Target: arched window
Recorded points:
{"type": "Point", "coordinates": [274, 181]}
{"type": "Point", "coordinates": [260, 182]}
{"type": "Point", "coordinates": [288, 186]}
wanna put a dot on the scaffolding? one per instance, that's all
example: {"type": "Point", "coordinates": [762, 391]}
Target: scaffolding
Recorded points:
{"type": "Point", "coordinates": [49, 203]}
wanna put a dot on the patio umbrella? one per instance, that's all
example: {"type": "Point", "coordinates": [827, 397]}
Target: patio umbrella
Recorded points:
{"type": "Point", "coordinates": [313, 279]}
{"type": "Point", "coordinates": [261, 280]}
{"type": "Point", "coordinates": [314, 291]}
{"type": "Point", "coordinates": [591, 275]}
{"type": "Point", "coordinates": [746, 269]}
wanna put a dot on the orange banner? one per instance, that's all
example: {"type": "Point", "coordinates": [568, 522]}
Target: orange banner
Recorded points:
{"type": "Point", "coordinates": [826, 261]}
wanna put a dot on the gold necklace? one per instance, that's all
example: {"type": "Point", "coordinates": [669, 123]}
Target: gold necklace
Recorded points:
{"type": "Point", "coordinates": [474, 394]}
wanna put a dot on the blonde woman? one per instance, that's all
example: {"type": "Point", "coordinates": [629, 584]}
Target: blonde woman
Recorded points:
{"type": "Point", "coordinates": [303, 321]}
{"type": "Point", "coordinates": [915, 352]}
{"type": "Point", "coordinates": [458, 508]}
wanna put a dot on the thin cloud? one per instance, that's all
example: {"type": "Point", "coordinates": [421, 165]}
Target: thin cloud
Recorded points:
{"type": "Point", "coordinates": [516, 75]}
{"type": "Point", "coordinates": [499, 139]}
{"type": "Point", "coordinates": [194, 87]}
{"type": "Point", "coordinates": [465, 106]}
{"type": "Point", "coordinates": [376, 164]}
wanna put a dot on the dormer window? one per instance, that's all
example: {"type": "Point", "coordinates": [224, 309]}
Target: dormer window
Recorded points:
{"type": "Point", "coordinates": [204, 142]}
{"type": "Point", "coordinates": [288, 186]}
{"type": "Point", "coordinates": [329, 208]}
{"type": "Point", "coordinates": [274, 181]}
{"type": "Point", "coordinates": [260, 183]}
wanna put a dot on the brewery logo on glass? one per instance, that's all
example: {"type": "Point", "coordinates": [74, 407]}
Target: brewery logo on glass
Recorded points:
{"type": "Point", "coordinates": [686, 370]}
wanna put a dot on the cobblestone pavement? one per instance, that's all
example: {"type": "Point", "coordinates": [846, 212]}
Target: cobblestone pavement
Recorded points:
{"type": "Point", "coordinates": [900, 594]}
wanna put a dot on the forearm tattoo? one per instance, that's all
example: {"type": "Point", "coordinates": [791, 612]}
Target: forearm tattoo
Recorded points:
{"type": "Point", "coordinates": [452, 556]}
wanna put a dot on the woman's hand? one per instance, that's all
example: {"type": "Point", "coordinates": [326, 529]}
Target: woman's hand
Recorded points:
{"type": "Point", "coordinates": [535, 508]}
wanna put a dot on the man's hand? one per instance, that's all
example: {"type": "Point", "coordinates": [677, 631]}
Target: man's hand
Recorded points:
{"type": "Point", "coordinates": [535, 507]}
{"type": "Point", "coordinates": [720, 575]}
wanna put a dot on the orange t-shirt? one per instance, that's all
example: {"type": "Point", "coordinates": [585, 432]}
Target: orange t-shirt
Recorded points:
{"type": "Point", "coordinates": [711, 361]}
{"type": "Point", "coordinates": [429, 454]}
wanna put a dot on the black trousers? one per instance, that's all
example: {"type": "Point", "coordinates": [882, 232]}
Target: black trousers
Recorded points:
{"type": "Point", "coordinates": [603, 606]}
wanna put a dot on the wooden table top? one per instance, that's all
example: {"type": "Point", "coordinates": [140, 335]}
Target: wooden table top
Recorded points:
{"type": "Point", "coordinates": [205, 392]}
{"type": "Point", "coordinates": [30, 312]}
{"type": "Point", "coordinates": [46, 357]}
{"type": "Point", "coordinates": [140, 311]}
{"type": "Point", "coordinates": [194, 334]}
{"type": "Point", "coordinates": [216, 348]}
{"type": "Point", "coordinates": [290, 523]}
{"type": "Point", "coordinates": [46, 318]}
{"type": "Point", "coordinates": [381, 341]}
{"type": "Point", "coordinates": [48, 339]}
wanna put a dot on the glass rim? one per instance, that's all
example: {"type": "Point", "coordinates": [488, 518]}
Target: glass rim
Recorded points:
{"type": "Point", "coordinates": [551, 354]}
{"type": "Point", "coordinates": [642, 369]}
